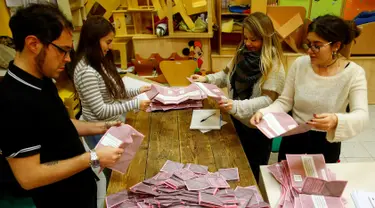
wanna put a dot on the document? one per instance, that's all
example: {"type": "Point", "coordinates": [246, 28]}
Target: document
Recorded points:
{"type": "Point", "coordinates": [280, 124]}
{"type": "Point", "coordinates": [126, 137]}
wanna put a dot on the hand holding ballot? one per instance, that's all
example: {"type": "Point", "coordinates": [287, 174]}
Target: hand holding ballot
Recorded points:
{"type": "Point", "coordinates": [278, 124]}
{"type": "Point", "coordinates": [198, 78]}
{"type": "Point", "coordinates": [125, 141]}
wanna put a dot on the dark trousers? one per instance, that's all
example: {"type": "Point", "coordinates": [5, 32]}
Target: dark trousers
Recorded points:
{"type": "Point", "coordinates": [256, 145]}
{"type": "Point", "coordinates": [311, 142]}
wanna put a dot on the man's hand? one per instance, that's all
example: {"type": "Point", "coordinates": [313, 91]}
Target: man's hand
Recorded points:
{"type": "Point", "coordinates": [102, 126]}
{"type": "Point", "coordinates": [108, 156]}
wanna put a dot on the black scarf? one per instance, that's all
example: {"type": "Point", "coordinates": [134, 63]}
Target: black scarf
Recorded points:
{"type": "Point", "coordinates": [246, 74]}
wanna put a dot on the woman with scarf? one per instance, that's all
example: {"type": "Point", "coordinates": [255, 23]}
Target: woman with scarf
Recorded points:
{"type": "Point", "coordinates": [255, 78]}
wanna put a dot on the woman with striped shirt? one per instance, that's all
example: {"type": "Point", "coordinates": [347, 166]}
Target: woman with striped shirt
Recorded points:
{"type": "Point", "coordinates": [102, 93]}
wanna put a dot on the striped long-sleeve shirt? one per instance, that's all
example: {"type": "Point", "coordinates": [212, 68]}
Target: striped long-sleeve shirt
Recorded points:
{"type": "Point", "coordinates": [97, 104]}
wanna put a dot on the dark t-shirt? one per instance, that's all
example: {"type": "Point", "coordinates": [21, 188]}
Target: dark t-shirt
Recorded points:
{"type": "Point", "coordinates": [35, 121]}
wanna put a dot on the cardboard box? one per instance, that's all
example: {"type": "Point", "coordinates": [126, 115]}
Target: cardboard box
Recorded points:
{"type": "Point", "coordinates": [364, 44]}
{"type": "Point", "coordinates": [290, 24]}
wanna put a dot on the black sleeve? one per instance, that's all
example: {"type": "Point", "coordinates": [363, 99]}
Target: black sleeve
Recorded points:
{"type": "Point", "coordinates": [21, 126]}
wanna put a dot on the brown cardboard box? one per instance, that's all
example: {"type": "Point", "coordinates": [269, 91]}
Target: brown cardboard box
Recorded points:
{"type": "Point", "coordinates": [290, 24]}
{"type": "Point", "coordinates": [364, 44]}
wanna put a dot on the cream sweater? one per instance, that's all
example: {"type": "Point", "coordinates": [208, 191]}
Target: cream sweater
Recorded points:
{"type": "Point", "coordinates": [306, 93]}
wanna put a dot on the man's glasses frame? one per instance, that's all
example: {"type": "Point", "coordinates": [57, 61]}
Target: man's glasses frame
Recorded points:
{"type": "Point", "coordinates": [62, 50]}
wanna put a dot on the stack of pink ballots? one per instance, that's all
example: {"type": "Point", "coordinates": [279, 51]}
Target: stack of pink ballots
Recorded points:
{"type": "Point", "coordinates": [167, 98]}
{"type": "Point", "coordinates": [190, 185]}
{"type": "Point", "coordinates": [126, 137]}
{"type": "Point", "coordinates": [307, 182]}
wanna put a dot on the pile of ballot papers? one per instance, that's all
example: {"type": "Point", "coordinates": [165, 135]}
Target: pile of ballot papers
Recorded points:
{"type": "Point", "coordinates": [173, 98]}
{"type": "Point", "coordinates": [189, 185]}
{"type": "Point", "coordinates": [307, 182]}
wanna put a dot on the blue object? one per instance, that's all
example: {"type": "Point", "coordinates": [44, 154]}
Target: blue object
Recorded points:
{"type": "Point", "coordinates": [365, 17]}
{"type": "Point", "coordinates": [238, 8]}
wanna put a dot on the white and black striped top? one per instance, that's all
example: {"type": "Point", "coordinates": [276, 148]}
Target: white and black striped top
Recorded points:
{"type": "Point", "coordinates": [97, 104]}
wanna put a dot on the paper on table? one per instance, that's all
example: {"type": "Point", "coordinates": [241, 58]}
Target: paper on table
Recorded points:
{"type": "Point", "coordinates": [316, 201]}
{"type": "Point", "coordinates": [317, 186]}
{"type": "Point", "coordinates": [126, 137]}
{"type": "Point", "coordinates": [280, 124]}
{"type": "Point", "coordinates": [134, 83]}
{"type": "Point", "coordinates": [208, 130]}
{"type": "Point", "coordinates": [363, 199]}
{"type": "Point", "coordinates": [212, 122]}
{"type": "Point", "coordinates": [301, 166]}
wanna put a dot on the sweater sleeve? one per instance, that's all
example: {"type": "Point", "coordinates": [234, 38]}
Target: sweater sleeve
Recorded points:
{"type": "Point", "coordinates": [220, 78]}
{"type": "Point", "coordinates": [284, 103]}
{"type": "Point", "coordinates": [87, 83]}
{"type": "Point", "coordinates": [243, 109]}
{"type": "Point", "coordinates": [352, 123]}
{"type": "Point", "coordinates": [131, 92]}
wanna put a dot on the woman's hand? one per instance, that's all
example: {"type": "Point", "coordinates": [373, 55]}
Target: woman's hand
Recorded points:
{"type": "Point", "coordinates": [145, 88]}
{"type": "Point", "coordinates": [324, 121]}
{"type": "Point", "coordinates": [256, 118]}
{"type": "Point", "coordinates": [144, 104]}
{"type": "Point", "coordinates": [198, 78]}
{"type": "Point", "coordinates": [226, 105]}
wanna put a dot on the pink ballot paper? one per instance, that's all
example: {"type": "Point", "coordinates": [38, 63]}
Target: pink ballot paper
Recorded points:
{"type": "Point", "coordinates": [302, 166]}
{"type": "Point", "coordinates": [319, 186]}
{"type": "Point", "coordinates": [280, 124]}
{"type": "Point", "coordinates": [126, 137]}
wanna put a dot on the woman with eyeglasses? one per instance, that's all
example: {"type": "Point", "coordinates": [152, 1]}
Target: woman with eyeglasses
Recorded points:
{"type": "Point", "coordinates": [319, 88]}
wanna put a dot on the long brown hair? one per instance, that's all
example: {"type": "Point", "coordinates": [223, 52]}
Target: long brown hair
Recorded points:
{"type": "Point", "coordinates": [261, 26]}
{"type": "Point", "coordinates": [95, 28]}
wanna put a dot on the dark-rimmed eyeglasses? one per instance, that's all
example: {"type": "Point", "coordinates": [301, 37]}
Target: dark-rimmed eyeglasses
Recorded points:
{"type": "Point", "coordinates": [62, 50]}
{"type": "Point", "coordinates": [314, 48]}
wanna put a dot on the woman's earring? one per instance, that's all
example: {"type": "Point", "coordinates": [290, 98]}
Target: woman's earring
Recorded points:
{"type": "Point", "coordinates": [334, 54]}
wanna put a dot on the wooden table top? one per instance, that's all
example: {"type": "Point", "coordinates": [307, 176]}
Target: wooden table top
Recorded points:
{"type": "Point", "coordinates": [168, 137]}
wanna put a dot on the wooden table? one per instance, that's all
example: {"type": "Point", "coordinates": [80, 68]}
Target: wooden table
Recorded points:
{"type": "Point", "coordinates": [168, 137]}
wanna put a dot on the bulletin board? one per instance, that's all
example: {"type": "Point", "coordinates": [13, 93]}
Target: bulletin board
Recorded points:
{"type": "Point", "coordinates": [322, 7]}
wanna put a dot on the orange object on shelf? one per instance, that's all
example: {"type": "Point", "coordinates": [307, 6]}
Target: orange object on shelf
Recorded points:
{"type": "Point", "coordinates": [354, 7]}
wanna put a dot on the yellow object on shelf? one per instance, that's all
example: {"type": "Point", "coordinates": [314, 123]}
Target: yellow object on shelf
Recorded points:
{"type": "Point", "coordinates": [227, 26]}
{"type": "Point", "coordinates": [70, 99]}
{"type": "Point", "coordinates": [4, 20]}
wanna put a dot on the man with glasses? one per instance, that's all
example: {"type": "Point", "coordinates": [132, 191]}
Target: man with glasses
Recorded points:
{"type": "Point", "coordinates": [40, 143]}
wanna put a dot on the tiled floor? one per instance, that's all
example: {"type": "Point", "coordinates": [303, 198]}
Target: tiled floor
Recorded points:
{"type": "Point", "coordinates": [358, 149]}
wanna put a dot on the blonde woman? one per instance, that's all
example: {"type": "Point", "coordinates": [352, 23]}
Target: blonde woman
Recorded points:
{"type": "Point", "coordinates": [255, 78]}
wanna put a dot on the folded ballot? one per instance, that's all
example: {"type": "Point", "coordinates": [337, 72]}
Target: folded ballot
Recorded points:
{"type": "Point", "coordinates": [280, 124]}
{"type": "Point", "coordinates": [125, 137]}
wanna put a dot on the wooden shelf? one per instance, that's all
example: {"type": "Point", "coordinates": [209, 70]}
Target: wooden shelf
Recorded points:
{"type": "Point", "coordinates": [234, 31]}
{"type": "Point", "coordinates": [133, 10]}
{"type": "Point", "coordinates": [226, 12]}
{"type": "Point", "coordinates": [182, 34]}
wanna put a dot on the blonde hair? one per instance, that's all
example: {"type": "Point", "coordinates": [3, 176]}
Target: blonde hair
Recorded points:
{"type": "Point", "coordinates": [260, 25]}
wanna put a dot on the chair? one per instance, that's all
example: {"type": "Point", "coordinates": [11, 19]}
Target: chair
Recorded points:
{"type": "Point", "coordinates": [176, 72]}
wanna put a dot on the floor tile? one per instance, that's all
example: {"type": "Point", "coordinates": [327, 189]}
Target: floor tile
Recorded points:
{"type": "Point", "coordinates": [354, 149]}
{"type": "Point", "coordinates": [367, 135]}
{"type": "Point", "coordinates": [359, 159]}
{"type": "Point", "coordinates": [342, 159]}
{"type": "Point", "coordinates": [370, 147]}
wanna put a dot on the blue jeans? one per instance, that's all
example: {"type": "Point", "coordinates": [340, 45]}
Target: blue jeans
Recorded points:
{"type": "Point", "coordinates": [92, 141]}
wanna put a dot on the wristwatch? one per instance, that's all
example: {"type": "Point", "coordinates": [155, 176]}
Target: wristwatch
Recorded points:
{"type": "Point", "coordinates": [94, 159]}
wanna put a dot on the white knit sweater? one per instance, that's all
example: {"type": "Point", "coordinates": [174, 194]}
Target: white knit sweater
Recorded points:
{"type": "Point", "coordinates": [306, 93]}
